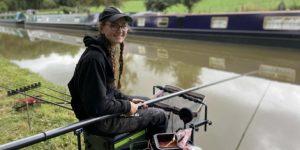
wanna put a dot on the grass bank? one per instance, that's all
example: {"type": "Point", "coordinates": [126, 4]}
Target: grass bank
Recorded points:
{"type": "Point", "coordinates": [19, 124]}
{"type": "Point", "coordinates": [213, 6]}
{"type": "Point", "coordinates": [204, 6]}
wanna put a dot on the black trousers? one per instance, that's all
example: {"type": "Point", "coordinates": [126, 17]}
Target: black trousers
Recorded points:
{"type": "Point", "coordinates": [154, 119]}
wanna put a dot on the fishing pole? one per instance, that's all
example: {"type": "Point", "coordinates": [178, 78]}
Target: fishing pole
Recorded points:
{"type": "Point", "coordinates": [43, 136]}
{"type": "Point", "coordinates": [6, 88]}
{"type": "Point", "coordinates": [193, 89]}
{"type": "Point", "coordinates": [47, 94]}
{"type": "Point", "coordinates": [56, 91]}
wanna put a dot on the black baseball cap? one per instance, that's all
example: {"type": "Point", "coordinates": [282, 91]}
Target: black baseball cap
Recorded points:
{"type": "Point", "coordinates": [112, 14]}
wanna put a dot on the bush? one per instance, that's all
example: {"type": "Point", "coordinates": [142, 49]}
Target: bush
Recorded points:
{"type": "Point", "coordinates": [48, 4]}
{"type": "Point", "coordinates": [3, 7]}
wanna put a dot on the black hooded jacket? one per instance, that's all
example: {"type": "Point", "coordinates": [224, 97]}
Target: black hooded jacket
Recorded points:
{"type": "Point", "coordinates": [91, 85]}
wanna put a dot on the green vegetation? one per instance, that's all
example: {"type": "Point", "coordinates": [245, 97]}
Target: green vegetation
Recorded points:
{"type": "Point", "coordinates": [133, 6]}
{"type": "Point", "coordinates": [209, 6]}
{"type": "Point", "coordinates": [168, 6]}
{"type": "Point", "coordinates": [16, 124]}
{"type": "Point", "coordinates": [220, 6]}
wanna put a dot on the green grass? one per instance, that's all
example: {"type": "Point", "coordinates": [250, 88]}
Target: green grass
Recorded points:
{"type": "Point", "coordinates": [217, 6]}
{"type": "Point", "coordinates": [129, 6]}
{"type": "Point", "coordinates": [16, 124]}
{"type": "Point", "coordinates": [96, 9]}
{"type": "Point", "coordinates": [204, 6]}
{"type": "Point", "coordinates": [133, 6]}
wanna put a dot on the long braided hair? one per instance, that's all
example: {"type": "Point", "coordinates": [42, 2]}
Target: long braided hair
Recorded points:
{"type": "Point", "coordinates": [111, 56]}
{"type": "Point", "coordinates": [120, 65]}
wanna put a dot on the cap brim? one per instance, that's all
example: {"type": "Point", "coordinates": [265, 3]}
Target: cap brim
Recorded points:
{"type": "Point", "coordinates": [118, 16]}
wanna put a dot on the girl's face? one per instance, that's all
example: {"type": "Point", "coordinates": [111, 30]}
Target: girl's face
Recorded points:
{"type": "Point", "coordinates": [115, 32]}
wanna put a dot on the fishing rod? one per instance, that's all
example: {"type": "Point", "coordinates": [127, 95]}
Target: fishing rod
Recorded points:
{"type": "Point", "coordinates": [20, 92]}
{"type": "Point", "coordinates": [43, 136]}
{"type": "Point", "coordinates": [46, 93]}
{"type": "Point", "coordinates": [152, 101]}
{"type": "Point", "coordinates": [57, 91]}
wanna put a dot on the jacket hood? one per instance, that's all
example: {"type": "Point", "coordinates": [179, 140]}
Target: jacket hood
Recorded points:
{"type": "Point", "coordinates": [99, 40]}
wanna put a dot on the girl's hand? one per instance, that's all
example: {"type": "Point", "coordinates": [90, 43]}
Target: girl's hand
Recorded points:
{"type": "Point", "coordinates": [139, 101]}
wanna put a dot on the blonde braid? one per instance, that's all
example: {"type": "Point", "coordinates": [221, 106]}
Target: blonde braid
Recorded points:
{"type": "Point", "coordinates": [120, 65]}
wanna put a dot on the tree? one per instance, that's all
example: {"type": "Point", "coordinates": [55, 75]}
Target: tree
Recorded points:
{"type": "Point", "coordinates": [70, 3]}
{"type": "Point", "coordinates": [34, 4]}
{"type": "Point", "coordinates": [3, 7]}
{"type": "Point", "coordinates": [159, 5]}
{"type": "Point", "coordinates": [281, 6]}
{"type": "Point", "coordinates": [189, 4]}
{"type": "Point", "coordinates": [11, 5]}
{"type": "Point", "coordinates": [49, 4]}
{"type": "Point", "coordinates": [114, 2]}
{"type": "Point", "coordinates": [100, 2]}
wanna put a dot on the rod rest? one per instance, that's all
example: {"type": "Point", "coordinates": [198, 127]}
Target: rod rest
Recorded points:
{"type": "Point", "coordinates": [172, 109]}
{"type": "Point", "coordinates": [23, 89]}
{"type": "Point", "coordinates": [192, 96]}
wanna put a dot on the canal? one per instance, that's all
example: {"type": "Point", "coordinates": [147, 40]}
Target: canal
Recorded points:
{"type": "Point", "coordinates": [254, 112]}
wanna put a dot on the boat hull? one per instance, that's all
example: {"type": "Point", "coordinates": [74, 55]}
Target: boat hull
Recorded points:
{"type": "Point", "coordinates": [64, 26]}
{"type": "Point", "coordinates": [13, 22]}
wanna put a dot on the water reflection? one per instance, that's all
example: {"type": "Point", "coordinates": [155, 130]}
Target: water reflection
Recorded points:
{"type": "Point", "coordinates": [273, 63]}
{"type": "Point", "coordinates": [42, 52]}
{"type": "Point", "coordinates": [129, 78]}
{"type": "Point", "coordinates": [274, 93]}
{"type": "Point", "coordinates": [29, 46]}
{"type": "Point", "coordinates": [57, 68]}
{"type": "Point", "coordinates": [232, 105]}
{"type": "Point", "coordinates": [12, 31]}
{"type": "Point", "coordinates": [56, 37]}
{"type": "Point", "coordinates": [181, 59]}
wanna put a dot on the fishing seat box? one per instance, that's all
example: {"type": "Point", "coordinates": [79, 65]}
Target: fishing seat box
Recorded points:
{"type": "Point", "coordinates": [120, 142]}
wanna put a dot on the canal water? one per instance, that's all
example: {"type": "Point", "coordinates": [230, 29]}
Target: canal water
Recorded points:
{"type": "Point", "coordinates": [253, 112]}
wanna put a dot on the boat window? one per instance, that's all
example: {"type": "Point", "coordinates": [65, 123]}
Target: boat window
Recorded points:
{"type": "Point", "coordinates": [77, 19]}
{"type": "Point", "coordinates": [141, 22]}
{"type": "Point", "coordinates": [281, 23]}
{"type": "Point", "coordinates": [219, 22]}
{"type": "Point", "coordinates": [162, 22]}
{"type": "Point", "coordinates": [20, 16]}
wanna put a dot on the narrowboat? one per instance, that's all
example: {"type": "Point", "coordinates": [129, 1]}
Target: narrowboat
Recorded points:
{"type": "Point", "coordinates": [279, 28]}
{"type": "Point", "coordinates": [66, 21]}
{"type": "Point", "coordinates": [17, 18]}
